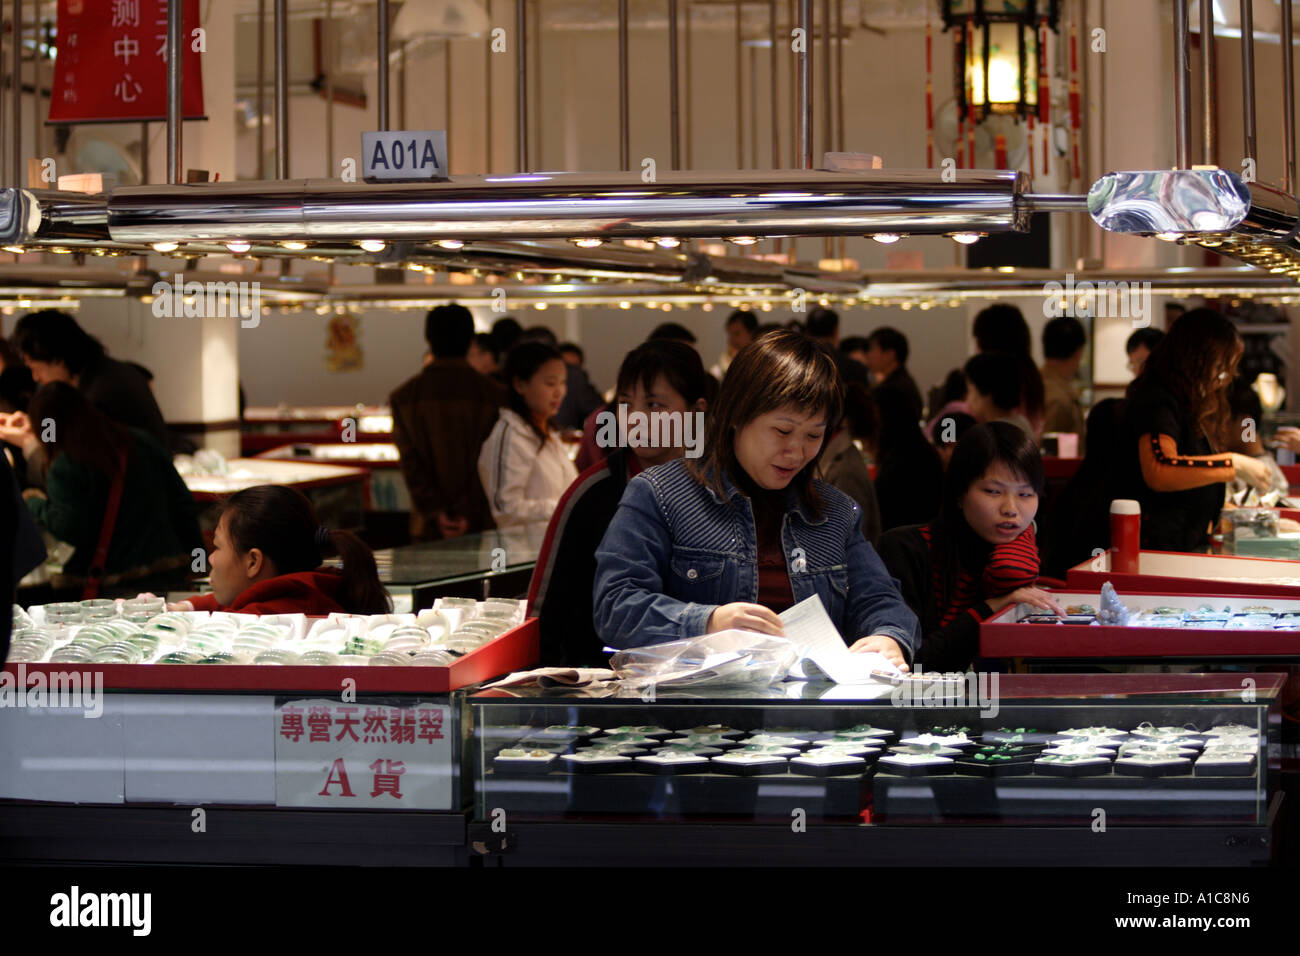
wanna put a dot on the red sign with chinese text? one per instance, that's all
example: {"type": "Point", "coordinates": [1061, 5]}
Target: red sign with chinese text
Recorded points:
{"type": "Point", "coordinates": [112, 62]}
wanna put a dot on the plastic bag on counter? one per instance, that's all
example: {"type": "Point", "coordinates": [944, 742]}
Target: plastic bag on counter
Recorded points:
{"type": "Point", "coordinates": [731, 657]}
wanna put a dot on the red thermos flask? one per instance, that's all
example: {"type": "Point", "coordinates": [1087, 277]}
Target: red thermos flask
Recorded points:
{"type": "Point", "coordinates": [1125, 535]}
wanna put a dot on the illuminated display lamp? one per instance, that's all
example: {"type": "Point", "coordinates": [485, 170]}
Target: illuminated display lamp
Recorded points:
{"type": "Point", "coordinates": [996, 51]}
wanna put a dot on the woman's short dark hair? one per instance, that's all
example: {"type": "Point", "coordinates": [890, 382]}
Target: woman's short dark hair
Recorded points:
{"type": "Point", "coordinates": [1150, 337]}
{"type": "Point", "coordinates": [677, 362]}
{"type": "Point", "coordinates": [53, 336]}
{"type": "Point", "coordinates": [672, 330]}
{"type": "Point", "coordinates": [282, 524]}
{"type": "Point", "coordinates": [890, 340]}
{"type": "Point", "coordinates": [997, 375]}
{"type": "Point", "coordinates": [1062, 337]}
{"type": "Point", "coordinates": [448, 329]}
{"type": "Point", "coordinates": [522, 362]}
{"type": "Point", "coordinates": [1002, 328]}
{"type": "Point", "coordinates": [745, 318]}
{"type": "Point", "coordinates": [774, 371]}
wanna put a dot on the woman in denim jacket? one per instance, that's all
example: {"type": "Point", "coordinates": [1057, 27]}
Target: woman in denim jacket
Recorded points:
{"type": "Point", "coordinates": [729, 539]}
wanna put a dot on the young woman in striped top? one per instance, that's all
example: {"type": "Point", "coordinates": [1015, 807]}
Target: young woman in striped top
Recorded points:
{"type": "Point", "coordinates": [980, 554]}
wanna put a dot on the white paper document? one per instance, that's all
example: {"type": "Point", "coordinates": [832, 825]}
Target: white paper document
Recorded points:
{"type": "Point", "coordinates": [809, 626]}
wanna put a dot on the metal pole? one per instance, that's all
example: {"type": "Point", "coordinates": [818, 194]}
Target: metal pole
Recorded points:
{"type": "Point", "coordinates": [538, 97]}
{"type": "Point", "coordinates": [175, 9]}
{"type": "Point", "coordinates": [16, 89]}
{"type": "Point", "coordinates": [1182, 88]}
{"type": "Point", "coordinates": [672, 84]}
{"type": "Point", "coordinates": [487, 98]}
{"type": "Point", "coordinates": [401, 85]}
{"type": "Point", "coordinates": [740, 94]}
{"type": "Point", "coordinates": [1248, 77]}
{"type": "Point", "coordinates": [446, 95]}
{"type": "Point", "coordinates": [827, 119]}
{"type": "Point", "coordinates": [839, 75]}
{"type": "Point", "coordinates": [776, 124]}
{"type": "Point", "coordinates": [624, 153]}
{"type": "Point", "coordinates": [686, 69]}
{"type": "Point", "coordinates": [281, 89]}
{"type": "Point", "coordinates": [1210, 144]}
{"type": "Point", "coordinates": [36, 82]}
{"type": "Point", "coordinates": [521, 85]}
{"type": "Point", "coordinates": [381, 51]}
{"type": "Point", "coordinates": [753, 108]}
{"type": "Point", "coordinates": [1288, 97]}
{"type": "Point", "coordinates": [261, 90]}
{"type": "Point", "coordinates": [805, 121]}
{"type": "Point", "coordinates": [329, 87]}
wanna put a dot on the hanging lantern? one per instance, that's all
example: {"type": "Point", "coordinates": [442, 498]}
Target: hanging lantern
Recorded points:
{"type": "Point", "coordinates": [996, 54]}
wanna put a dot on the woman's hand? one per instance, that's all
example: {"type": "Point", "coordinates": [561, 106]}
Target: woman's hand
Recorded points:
{"type": "Point", "coordinates": [16, 429]}
{"type": "Point", "coordinates": [1035, 597]}
{"type": "Point", "coordinates": [1253, 471]}
{"type": "Point", "coordinates": [1288, 436]}
{"type": "Point", "coordinates": [180, 606]}
{"type": "Point", "coordinates": [882, 644]}
{"type": "Point", "coordinates": [746, 617]}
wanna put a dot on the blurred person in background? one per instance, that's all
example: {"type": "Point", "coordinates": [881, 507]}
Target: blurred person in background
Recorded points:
{"type": "Point", "coordinates": [150, 536]}
{"type": "Point", "coordinates": [1077, 523]}
{"type": "Point", "coordinates": [949, 398]}
{"type": "Point", "coordinates": [823, 327]}
{"type": "Point", "coordinates": [1063, 343]}
{"type": "Point", "coordinates": [482, 354]}
{"type": "Point", "coordinates": [909, 475]}
{"type": "Point", "coordinates": [1139, 346]}
{"type": "Point", "coordinates": [1177, 429]}
{"type": "Point", "coordinates": [57, 349]}
{"type": "Point", "coordinates": [523, 464]}
{"type": "Point", "coordinates": [441, 418]}
{"type": "Point", "coordinates": [994, 389]}
{"type": "Point", "coordinates": [1002, 328]}
{"type": "Point", "coordinates": [741, 327]}
{"type": "Point", "coordinates": [581, 398]}
{"type": "Point", "coordinates": [572, 354]}
{"type": "Point", "coordinates": [886, 360]}
{"type": "Point", "coordinates": [949, 431]}
{"type": "Point", "coordinates": [657, 377]}
{"type": "Point", "coordinates": [843, 463]}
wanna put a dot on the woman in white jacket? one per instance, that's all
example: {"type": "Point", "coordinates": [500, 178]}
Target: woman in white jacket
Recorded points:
{"type": "Point", "coordinates": [523, 465]}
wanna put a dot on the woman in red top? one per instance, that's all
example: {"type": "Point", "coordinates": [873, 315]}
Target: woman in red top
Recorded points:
{"type": "Point", "coordinates": [269, 545]}
{"type": "Point", "coordinates": [980, 554]}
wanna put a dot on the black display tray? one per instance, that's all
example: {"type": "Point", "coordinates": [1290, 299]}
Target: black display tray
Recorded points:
{"type": "Point", "coordinates": [1125, 799]}
{"type": "Point", "coordinates": [659, 796]}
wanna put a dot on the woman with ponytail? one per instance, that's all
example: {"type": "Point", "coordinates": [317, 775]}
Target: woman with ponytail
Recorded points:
{"type": "Point", "coordinates": [266, 559]}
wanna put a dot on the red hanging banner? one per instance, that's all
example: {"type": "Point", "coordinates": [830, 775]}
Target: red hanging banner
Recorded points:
{"type": "Point", "coordinates": [112, 62]}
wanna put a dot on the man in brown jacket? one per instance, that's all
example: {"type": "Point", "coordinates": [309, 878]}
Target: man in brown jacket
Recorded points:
{"type": "Point", "coordinates": [441, 418]}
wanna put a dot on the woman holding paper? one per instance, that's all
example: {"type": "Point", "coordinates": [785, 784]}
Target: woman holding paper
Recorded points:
{"type": "Point", "coordinates": [732, 538]}
{"type": "Point", "coordinates": [980, 554]}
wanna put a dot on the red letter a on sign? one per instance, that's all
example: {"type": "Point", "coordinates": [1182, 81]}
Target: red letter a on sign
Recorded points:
{"type": "Point", "coordinates": [341, 779]}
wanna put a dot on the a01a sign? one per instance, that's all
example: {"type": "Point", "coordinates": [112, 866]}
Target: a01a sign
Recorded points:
{"type": "Point", "coordinates": [363, 755]}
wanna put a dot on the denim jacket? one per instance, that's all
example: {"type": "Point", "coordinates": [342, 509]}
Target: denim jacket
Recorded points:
{"type": "Point", "coordinates": [676, 550]}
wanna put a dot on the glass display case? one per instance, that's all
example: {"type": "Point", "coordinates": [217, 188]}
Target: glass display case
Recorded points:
{"type": "Point", "coordinates": [1024, 751]}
